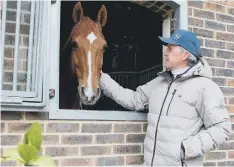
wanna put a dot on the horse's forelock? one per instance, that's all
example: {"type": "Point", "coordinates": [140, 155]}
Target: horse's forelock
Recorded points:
{"type": "Point", "coordinates": [90, 24]}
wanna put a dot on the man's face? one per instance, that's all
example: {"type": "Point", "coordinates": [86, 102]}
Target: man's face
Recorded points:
{"type": "Point", "coordinates": [175, 58]}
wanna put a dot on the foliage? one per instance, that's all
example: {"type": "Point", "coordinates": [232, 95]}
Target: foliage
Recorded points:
{"type": "Point", "coordinates": [27, 153]}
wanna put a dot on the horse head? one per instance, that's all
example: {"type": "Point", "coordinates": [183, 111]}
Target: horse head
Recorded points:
{"type": "Point", "coordinates": [88, 44]}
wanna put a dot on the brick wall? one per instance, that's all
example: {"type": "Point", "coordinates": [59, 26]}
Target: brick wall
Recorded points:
{"type": "Point", "coordinates": [121, 142]}
{"type": "Point", "coordinates": [79, 142]}
{"type": "Point", "coordinates": [213, 23]}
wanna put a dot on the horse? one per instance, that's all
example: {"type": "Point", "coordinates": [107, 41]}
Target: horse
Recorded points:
{"type": "Point", "coordinates": [88, 45]}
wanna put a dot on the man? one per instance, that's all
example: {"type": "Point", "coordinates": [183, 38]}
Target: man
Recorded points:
{"type": "Point", "coordinates": [187, 116]}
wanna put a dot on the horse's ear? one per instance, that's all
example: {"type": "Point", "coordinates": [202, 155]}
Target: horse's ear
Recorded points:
{"type": "Point", "coordinates": [102, 16]}
{"type": "Point", "coordinates": [77, 13]}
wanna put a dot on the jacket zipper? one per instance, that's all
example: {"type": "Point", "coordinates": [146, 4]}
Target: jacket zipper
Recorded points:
{"type": "Point", "coordinates": [156, 131]}
{"type": "Point", "coordinates": [173, 94]}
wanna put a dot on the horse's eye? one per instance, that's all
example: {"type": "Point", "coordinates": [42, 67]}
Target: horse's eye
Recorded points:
{"type": "Point", "coordinates": [74, 44]}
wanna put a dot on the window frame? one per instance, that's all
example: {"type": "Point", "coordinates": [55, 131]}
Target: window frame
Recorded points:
{"type": "Point", "coordinates": [181, 21]}
{"type": "Point", "coordinates": [51, 72]}
{"type": "Point", "coordinates": [35, 100]}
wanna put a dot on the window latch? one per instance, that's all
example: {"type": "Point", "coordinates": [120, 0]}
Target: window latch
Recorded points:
{"type": "Point", "coordinates": [53, 1]}
{"type": "Point", "coordinates": [52, 93]}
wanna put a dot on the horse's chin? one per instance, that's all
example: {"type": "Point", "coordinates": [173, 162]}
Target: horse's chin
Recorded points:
{"type": "Point", "coordinates": [89, 103]}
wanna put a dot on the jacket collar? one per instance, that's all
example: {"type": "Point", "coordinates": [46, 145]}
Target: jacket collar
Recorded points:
{"type": "Point", "coordinates": [202, 69]}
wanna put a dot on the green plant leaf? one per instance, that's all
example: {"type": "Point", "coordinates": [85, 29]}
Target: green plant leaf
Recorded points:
{"type": "Point", "coordinates": [43, 161]}
{"type": "Point", "coordinates": [34, 136]}
{"type": "Point", "coordinates": [27, 152]}
{"type": "Point", "coordinates": [12, 154]}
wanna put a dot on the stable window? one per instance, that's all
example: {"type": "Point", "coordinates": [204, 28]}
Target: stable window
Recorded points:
{"type": "Point", "coordinates": [32, 67]}
{"type": "Point", "coordinates": [133, 57]}
{"type": "Point", "coordinates": [24, 49]}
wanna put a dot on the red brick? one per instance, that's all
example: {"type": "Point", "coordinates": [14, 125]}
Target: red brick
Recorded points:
{"type": "Point", "coordinates": [123, 128]}
{"type": "Point", "coordinates": [231, 82]}
{"type": "Point", "coordinates": [61, 151]}
{"type": "Point", "coordinates": [19, 127]}
{"type": "Point", "coordinates": [230, 108]}
{"type": "Point", "coordinates": [77, 162]}
{"type": "Point", "coordinates": [127, 149]}
{"type": "Point", "coordinates": [214, 7]}
{"type": "Point", "coordinates": [134, 160]}
{"type": "Point", "coordinates": [231, 100]}
{"type": "Point", "coordinates": [50, 139]}
{"type": "Point", "coordinates": [232, 120]}
{"type": "Point", "coordinates": [231, 154]}
{"type": "Point", "coordinates": [62, 127]}
{"type": "Point", "coordinates": [215, 155]}
{"type": "Point", "coordinates": [110, 161]}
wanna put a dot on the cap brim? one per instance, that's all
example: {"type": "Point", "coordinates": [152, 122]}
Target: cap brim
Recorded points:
{"type": "Point", "coordinates": [166, 41]}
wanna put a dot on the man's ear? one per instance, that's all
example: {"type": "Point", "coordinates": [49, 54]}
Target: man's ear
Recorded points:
{"type": "Point", "coordinates": [186, 55]}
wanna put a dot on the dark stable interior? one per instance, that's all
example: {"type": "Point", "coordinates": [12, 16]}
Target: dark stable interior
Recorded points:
{"type": "Point", "coordinates": [133, 49]}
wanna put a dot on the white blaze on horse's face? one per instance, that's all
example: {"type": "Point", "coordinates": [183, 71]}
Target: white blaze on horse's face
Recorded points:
{"type": "Point", "coordinates": [89, 90]}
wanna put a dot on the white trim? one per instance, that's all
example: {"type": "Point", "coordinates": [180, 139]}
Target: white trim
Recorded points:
{"type": "Point", "coordinates": [166, 33]}
{"type": "Point", "coordinates": [97, 115]}
{"type": "Point", "coordinates": [183, 14]}
{"type": "Point", "coordinates": [19, 93]}
{"type": "Point", "coordinates": [54, 55]}
{"type": "Point", "coordinates": [180, 6]}
{"type": "Point", "coordinates": [38, 100]}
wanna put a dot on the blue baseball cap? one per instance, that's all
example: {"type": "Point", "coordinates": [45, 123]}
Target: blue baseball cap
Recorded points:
{"type": "Point", "coordinates": [185, 39]}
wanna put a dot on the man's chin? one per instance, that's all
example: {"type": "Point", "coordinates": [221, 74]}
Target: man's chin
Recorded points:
{"type": "Point", "coordinates": [167, 68]}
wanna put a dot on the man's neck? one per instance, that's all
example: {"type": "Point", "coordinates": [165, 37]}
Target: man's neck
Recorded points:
{"type": "Point", "coordinates": [178, 71]}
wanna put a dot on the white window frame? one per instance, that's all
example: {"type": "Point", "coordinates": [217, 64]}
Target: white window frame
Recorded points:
{"type": "Point", "coordinates": [55, 113]}
{"type": "Point", "coordinates": [51, 72]}
{"type": "Point", "coordinates": [25, 100]}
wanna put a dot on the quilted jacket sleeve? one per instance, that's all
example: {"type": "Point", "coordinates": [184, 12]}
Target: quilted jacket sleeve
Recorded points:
{"type": "Point", "coordinates": [133, 100]}
{"type": "Point", "coordinates": [216, 121]}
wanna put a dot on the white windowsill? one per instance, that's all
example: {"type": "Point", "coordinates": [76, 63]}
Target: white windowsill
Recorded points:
{"type": "Point", "coordinates": [97, 115]}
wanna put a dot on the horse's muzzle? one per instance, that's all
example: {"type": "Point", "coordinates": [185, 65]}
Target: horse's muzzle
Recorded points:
{"type": "Point", "coordinates": [89, 100]}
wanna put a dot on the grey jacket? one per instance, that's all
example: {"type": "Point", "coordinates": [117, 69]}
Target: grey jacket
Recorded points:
{"type": "Point", "coordinates": [188, 112]}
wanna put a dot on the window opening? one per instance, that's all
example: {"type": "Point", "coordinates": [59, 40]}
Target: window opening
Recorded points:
{"type": "Point", "coordinates": [133, 56]}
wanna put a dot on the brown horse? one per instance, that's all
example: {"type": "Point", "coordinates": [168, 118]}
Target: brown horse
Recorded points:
{"type": "Point", "coordinates": [88, 44]}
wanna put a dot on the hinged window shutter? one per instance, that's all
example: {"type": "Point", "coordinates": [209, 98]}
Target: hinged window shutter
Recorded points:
{"type": "Point", "coordinates": [24, 60]}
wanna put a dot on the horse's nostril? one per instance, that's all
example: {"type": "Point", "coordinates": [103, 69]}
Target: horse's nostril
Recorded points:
{"type": "Point", "coordinates": [82, 93]}
{"type": "Point", "coordinates": [98, 90]}
{"type": "Point", "coordinates": [82, 90]}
